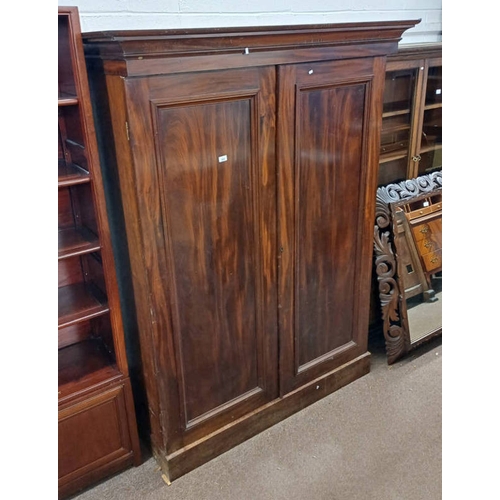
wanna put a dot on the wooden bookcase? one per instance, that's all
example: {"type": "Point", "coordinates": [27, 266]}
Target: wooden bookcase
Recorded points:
{"type": "Point", "coordinates": [97, 428]}
{"type": "Point", "coordinates": [411, 142]}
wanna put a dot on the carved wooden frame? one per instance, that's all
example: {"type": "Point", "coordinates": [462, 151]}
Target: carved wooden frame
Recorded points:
{"type": "Point", "coordinates": [393, 306]}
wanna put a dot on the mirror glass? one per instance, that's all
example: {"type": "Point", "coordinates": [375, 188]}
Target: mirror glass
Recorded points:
{"type": "Point", "coordinates": [417, 229]}
{"type": "Point", "coordinates": [408, 261]}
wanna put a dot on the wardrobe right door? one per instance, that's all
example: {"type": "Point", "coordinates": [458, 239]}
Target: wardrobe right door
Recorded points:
{"type": "Point", "coordinates": [328, 135]}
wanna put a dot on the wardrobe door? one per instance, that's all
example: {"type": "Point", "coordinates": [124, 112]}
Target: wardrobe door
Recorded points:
{"type": "Point", "coordinates": [209, 206]}
{"type": "Point", "coordinates": [328, 130]}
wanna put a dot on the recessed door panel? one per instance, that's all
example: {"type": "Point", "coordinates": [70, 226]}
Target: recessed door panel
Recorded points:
{"type": "Point", "coordinates": [325, 176]}
{"type": "Point", "coordinates": [215, 263]}
{"type": "Point", "coordinates": [216, 182]}
{"type": "Point", "coordinates": [92, 434]}
{"type": "Point", "coordinates": [329, 149]}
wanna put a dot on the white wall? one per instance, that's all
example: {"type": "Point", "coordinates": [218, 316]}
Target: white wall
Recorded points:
{"type": "Point", "coordinates": [98, 15]}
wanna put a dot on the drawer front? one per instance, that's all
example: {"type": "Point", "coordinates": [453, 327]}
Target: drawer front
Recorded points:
{"type": "Point", "coordinates": [432, 261]}
{"type": "Point", "coordinates": [415, 214]}
{"type": "Point", "coordinates": [430, 230]}
{"type": "Point", "coordinates": [92, 434]}
{"type": "Point", "coordinates": [428, 245]}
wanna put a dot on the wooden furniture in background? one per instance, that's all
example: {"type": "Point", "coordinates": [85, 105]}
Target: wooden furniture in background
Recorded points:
{"type": "Point", "coordinates": [418, 229]}
{"type": "Point", "coordinates": [97, 427]}
{"type": "Point", "coordinates": [411, 140]}
{"type": "Point", "coordinates": [410, 143]}
{"type": "Point", "coordinates": [411, 274]}
{"type": "Point", "coordinates": [409, 319]}
{"type": "Point", "coordinates": [247, 164]}
{"type": "Point", "coordinates": [424, 217]}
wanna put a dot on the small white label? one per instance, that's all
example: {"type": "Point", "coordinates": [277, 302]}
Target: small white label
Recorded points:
{"type": "Point", "coordinates": [311, 71]}
{"type": "Point", "coordinates": [222, 158]}
{"type": "Point", "coordinates": [438, 91]}
{"type": "Point", "coordinates": [426, 203]}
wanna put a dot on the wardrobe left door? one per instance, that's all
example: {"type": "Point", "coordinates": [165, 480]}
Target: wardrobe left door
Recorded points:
{"type": "Point", "coordinates": [202, 176]}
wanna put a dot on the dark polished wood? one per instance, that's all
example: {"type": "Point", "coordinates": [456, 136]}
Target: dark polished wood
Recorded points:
{"type": "Point", "coordinates": [77, 302]}
{"type": "Point", "coordinates": [97, 427]}
{"type": "Point", "coordinates": [216, 224]}
{"type": "Point", "coordinates": [173, 51]}
{"type": "Point", "coordinates": [322, 282]}
{"type": "Point", "coordinates": [76, 241]}
{"type": "Point", "coordinates": [71, 174]}
{"type": "Point", "coordinates": [94, 437]}
{"type": "Point", "coordinates": [82, 365]}
{"type": "Point", "coordinates": [212, 445]}
{"type": "Point", "coordinates": [244, 162]}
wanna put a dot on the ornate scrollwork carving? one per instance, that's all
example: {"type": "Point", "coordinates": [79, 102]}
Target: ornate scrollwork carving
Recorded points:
{"type": "Point", "coordinates": [395, 326]}
{"type": "Point", "coordinates": [409, 188]}
{"type": "Point", "coordinates": [385, 266]}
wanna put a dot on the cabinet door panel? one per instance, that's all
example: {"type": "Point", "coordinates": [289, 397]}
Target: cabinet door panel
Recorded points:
{"type": "Point", "coordinates": [329, 161]}
{"type": "Point", "coordinates": [215, 136]}
{"type": "Point", "coordinates": [92, 435]}
{"type": "Point", "coordinates": [430, 143]}
{"type": "Point", "coordinates": [214, 260]}
{"type": "Point", "coordinates": [324, 182]}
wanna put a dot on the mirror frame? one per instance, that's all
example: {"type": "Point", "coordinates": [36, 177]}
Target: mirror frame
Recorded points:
{"type": "Point", "coordinates": [396, 328]}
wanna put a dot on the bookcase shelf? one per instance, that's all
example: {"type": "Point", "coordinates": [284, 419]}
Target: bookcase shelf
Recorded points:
{"type": "Point", "coordinates": [95, 394]}
{"type": "Point", "coordinates": [392, 156]}
{"type": "Point", "coordinates": [80, 302]}
{"type": "Point", "coordinates": [397, 112]}
{"type": "Point", "coordinates": [433, 106]}
{"type": "Point", "coordinates": [71, 174]}
{"type": "Point", "coordinates": [74, 241]}
{"type": "Point", "coordinates": [67, 100]}
{"type": "Point", "coordinates": [85, 365]}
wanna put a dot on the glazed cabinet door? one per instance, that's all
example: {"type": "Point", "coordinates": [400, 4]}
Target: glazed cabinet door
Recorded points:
{"type": "Point", "coordinates": [411, 137]}
{"type": "Point", "coordinates": [206, 191]}
{"type": "Point", "coordinates": [328, 133]}
{"type": "Point", "coordinates": [399, 120]}
{"type": "Point", "coordinates": [429, 147]}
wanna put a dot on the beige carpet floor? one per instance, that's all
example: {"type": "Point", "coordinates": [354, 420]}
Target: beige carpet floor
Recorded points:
{"type": "Point", "coordinates": [379, 438]}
